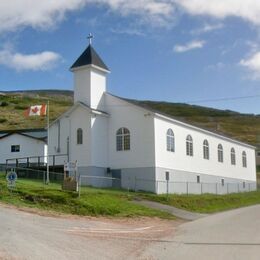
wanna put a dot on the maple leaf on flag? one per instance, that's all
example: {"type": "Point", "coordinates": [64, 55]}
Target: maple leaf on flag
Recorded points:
{"type": "Point", "coordinates": [37, 110]}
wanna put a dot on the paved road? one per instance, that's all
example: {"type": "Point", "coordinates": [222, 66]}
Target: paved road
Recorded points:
{"type": "Point", "coordinates": [25, 235]}
{"type": "Point", "coordinates": [230, 235]}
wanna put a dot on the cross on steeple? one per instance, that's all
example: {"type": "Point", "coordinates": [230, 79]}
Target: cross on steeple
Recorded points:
{"type": "Point", "coordinates": [90, 37]}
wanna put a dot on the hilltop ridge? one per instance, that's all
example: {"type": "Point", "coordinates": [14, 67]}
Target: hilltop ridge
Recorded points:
{"type": "Point", "coordinates": [244, 127]}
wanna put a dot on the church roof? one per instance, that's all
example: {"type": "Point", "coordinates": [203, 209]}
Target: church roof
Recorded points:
{"type": "Point", "coordinates": [89, 57]}
{"type": "Point", "coordinates": [182, 121]}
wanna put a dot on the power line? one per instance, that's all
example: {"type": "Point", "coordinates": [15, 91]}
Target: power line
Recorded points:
{"type": "Point", "coordinates": [221, 99]}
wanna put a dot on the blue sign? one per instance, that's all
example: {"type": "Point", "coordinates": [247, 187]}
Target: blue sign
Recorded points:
{"type": "Point", "coordinates": [11, 178]}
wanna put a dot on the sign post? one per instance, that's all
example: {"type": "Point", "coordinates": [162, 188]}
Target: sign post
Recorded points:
{"type": "Point", "coordinates": [11, 178]}
{"type": "Point", "coordinates": [71, 181]}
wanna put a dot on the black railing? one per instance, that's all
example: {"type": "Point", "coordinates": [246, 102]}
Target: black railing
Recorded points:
{"type": "Point", "coordinates": [36, 162]}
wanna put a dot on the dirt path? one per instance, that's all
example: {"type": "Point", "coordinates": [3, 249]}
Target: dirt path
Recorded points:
{"type": "Point", "coordinates": [26, 235]}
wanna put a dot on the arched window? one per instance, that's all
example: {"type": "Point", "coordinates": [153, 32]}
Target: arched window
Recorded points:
{"type": "Point", "coordinates": [233, 156]}
{"type": "Point", "coordinates": [244, 161]}
{"type": "Point", "coordinates": [220, 153]}
{"type": "Point", "coordinates": [189, 146]}
{"type": "Point", "coordinates": [206, 149]}
{"type": "Point", "coordinates": [79, 136]}
{"type": "Point", "coordinates": [122, 139]}
{"type": "Point", "coordinates": [170, 140]}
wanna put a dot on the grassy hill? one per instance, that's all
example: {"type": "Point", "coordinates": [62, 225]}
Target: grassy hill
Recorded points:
{"type": "Point", "coordinates": [245, 127]}
{"type": "Point", "coordinates": [14, 104]}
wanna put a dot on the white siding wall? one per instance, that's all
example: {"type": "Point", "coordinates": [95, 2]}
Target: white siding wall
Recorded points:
{"type": "Point", "coordinates": [180, 161]}
{"type": "Point", "coordinates": [140, 125]}
{"type": "Point", "coordinates": [79, 118]}
{"type": "Point", "coordinates": [98, 87]}
{"type": "Point", "coordinates": [89, 86]}
{"type": "Point", "coordinates": [28, 147]}
{"type": "Point", "coordinates": [82, 86]}
{"type": "Point", "coordinates": [99, 141]}
{"type": "Point", "coordinates": [93, 151]}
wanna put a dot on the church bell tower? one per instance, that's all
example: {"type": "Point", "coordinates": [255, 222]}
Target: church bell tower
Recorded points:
{"type": "Point", "coordinates": [89, 78]}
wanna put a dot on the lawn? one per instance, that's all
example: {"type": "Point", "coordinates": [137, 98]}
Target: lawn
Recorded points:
{"type": "Point", "coordinates": [208, 203]}
{"type": "Point", "coordinates": [93, 202]}
{"type": "Point", "coordinates": [116, 203]}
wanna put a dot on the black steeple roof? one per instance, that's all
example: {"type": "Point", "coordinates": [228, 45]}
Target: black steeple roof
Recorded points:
{"type": "Point", "coordinates": [89, 56]}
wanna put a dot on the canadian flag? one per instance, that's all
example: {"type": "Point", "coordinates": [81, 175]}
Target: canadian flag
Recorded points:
{"type": "Point", "coordinates": [37, 110]}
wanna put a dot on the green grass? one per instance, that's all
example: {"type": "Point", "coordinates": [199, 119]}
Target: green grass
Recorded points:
{"type": "Point", "coordinates": [115, 203]}
{"type": "Point", "coordinates": [93, 202]}
{"type": "Point", "coordinates": [208, 203]}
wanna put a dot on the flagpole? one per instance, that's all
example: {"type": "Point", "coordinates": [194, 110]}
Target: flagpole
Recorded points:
{"type": "Point", "coordinates": [48, 126]}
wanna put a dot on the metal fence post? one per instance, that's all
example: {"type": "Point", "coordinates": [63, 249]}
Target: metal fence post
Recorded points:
{"type": "Point", "coordinates": [201, 191]}
{"type": "Point", "coordinates": [187, 184]}
{"type": "Point", "coordinates": [227, 188]}
{"type": "Point", "coordinates": [216, 188]}
{"type": "Point", "coordinates": [135, 183]}
{"type": "Point", "coordinates": [238, 187]}
{"type": "Point", "coordinates": [79, 183]}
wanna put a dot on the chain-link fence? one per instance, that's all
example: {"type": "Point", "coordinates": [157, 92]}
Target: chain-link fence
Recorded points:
{"type": "Point", "coordinates": [83, 182]}
{"type": "Point", "coordinates": [163, 187]}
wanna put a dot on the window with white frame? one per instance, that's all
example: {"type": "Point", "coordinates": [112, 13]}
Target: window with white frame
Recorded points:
{"type": "Point", "coordinates": [206, 149]}
{"type": "Point", "coordinates": [222, 182]}
{"type": "Point", "coordinates": [233, 156]}
{"type": "Point", "coordinates": [220, 153]}
{"type": "Point", "coordinates": [189, 146]}
{"type": "Point", "coordinates": [122, 139]}
{"type": "Point", "coordinates": [79, 136]}
{"type": "Point", "coordinates": [170, 140]}
{"type": "Point", "coordinates": [244, 161]}
{"type": "Point", "coordinates": [15, 148]}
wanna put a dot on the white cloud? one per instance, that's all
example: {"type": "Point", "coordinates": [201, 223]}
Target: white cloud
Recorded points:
{"type": "Point", "coordinates": [37, 14]}
{"type": "Point", "coordinates": [252, 64]}
{"type": "Point", "coordinates": [189, 46]}
{"type": "Point", "coordinates": [208, 28]}
{"type": "Point", "coordinates": [46, 14]}
{"type": "Point", "coordinates": [248, 10]}
{"type": "Point", "coordinates": [129, 31]}
{"type": "Point", "coordinates": [35, 62]}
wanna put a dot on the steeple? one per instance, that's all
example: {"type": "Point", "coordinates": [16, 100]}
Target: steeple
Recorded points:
{"type": "Point", "coordinates": [90, 78]}
{"type": "Point", "coordinates": [89, 57]}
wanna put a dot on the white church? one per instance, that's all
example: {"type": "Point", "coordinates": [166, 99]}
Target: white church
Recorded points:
{"type": "Point", "coordinates": [110, 136]}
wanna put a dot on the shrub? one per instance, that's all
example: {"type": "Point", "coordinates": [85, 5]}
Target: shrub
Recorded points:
{"type": "Point", "coordinates": [3, 104]}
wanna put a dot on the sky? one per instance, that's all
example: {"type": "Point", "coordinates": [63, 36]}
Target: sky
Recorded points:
{"type": "Point", "coordinates": [194, 51]}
